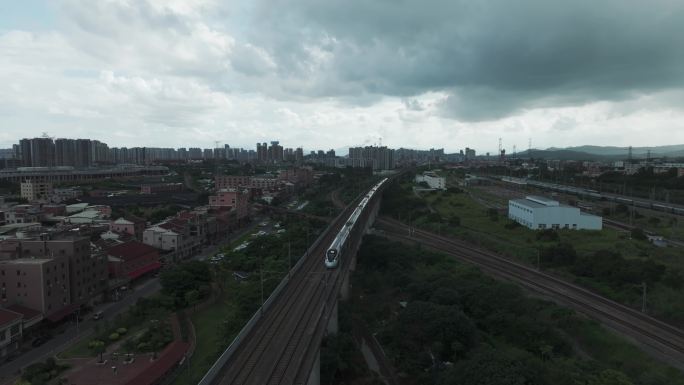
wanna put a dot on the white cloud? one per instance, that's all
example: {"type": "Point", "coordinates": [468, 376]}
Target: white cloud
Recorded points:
{"type": "Point", "coordinates": [186, 73]}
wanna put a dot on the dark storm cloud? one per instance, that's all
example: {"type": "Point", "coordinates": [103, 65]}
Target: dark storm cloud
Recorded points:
{"type": "Point", "coordinates": [492, 57]}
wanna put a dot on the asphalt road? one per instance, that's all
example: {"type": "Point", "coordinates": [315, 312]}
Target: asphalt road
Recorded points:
{"type": "Point", "coordinates": [10, 370]}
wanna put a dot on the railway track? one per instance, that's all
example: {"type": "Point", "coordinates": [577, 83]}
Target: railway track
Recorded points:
{"type": "Point", "coordinates": [661, 339]}
{"type": "Point", "coordinates": [281, 347]}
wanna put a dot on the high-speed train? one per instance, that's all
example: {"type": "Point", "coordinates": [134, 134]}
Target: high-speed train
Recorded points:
{"type": "Point", "coordinates": [337, 247]}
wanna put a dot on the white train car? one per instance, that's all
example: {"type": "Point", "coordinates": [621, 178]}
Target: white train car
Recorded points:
{"type": "Point", "coordinates": [337, 247]}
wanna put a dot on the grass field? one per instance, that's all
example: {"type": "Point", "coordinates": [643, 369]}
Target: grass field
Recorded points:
{"type": "Point", "coordinates": [478, 226]}
{"type": "Point", "coordinates": [210, 343]}
{"type": "Point", "coordinates": [78, 350]}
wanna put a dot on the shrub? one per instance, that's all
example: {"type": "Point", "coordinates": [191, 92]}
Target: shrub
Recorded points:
{"type": "Point", "coordinates": [514, 225]}
{"type": "Point", "coordinates": [548, 235]}
{"type": "Point", "coordinates": [121, 331]}
{"type": "Point", "coordinates": [562, 254]}
{"type": "Point", "coordinates": [114, 336]}
{"type": "Point", "coordinates": [638, 234]}
{"type": "Point", "coordinates": [434, 217]}
{"type": "Point", "coordinates": [455, 220]}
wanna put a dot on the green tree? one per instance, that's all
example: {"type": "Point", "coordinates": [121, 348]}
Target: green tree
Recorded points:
{"type": "Point", "coordinates": [192, 297]}
{"type": "Point", "coordinates": [97, 347]}
{"type": "Point", "coordinates": [638, 234]}
{"type": "Point", "coordinates": [610, 377]}
{"type": "Point", "coordinates": [493, 367]}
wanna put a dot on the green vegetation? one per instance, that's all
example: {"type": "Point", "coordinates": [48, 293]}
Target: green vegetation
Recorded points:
{"type": "Point", "coordinates": [41, 373]}
{"type": "Point", "coordinates": [9, 188]}
{"type": "Point", "coordinates": [178, 281]}
{"type": "Point", "coordinates": [151, 214]}
{"type": "Point", "coordinates": [217, 324]}
{"type": "Point", "coordinates": [215, 328]}
{"type": "Point", "coordinates": [348, 182]}
{"type": "Point", "coordinates": [152, 340]}
{"type": "Point", "coordinates": [646, 184]}
{"type": "Point", "coordinates": [143, 328]}
{"type": "Point", "coordinates": [442, 322]}
{"type": "Point", "coordinates": [341, 360]}
{"type": "Point", "coordinates": [147, 316]}
{"type": "Point", "coordinates": [610, 262]}
{"type": "Point", "coordinates": [665, 224]}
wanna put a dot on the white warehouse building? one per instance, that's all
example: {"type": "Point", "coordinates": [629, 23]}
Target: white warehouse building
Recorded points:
{"type": "Point", "coordinates": [433, 180]}
{"type": "Point", "coordinates": [538, 213]}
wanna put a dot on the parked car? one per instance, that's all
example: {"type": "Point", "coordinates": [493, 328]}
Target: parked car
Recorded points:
{"type": "Point", "coordinates": [40, 340]}
{"type": "Point", "coordinates": [97, 315]}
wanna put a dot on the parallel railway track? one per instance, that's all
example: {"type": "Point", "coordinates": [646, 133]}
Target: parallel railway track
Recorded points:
{"type": "Point", "coordinates": [281, 347]}
{"type": "Point", "coordinates": [661, 339]}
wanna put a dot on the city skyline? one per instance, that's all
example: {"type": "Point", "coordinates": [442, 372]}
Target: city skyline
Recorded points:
{"type": "Point", "coordinates": [164, 73]}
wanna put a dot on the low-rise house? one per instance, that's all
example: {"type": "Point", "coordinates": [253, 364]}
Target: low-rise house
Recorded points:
{"type": "Point", "coordinates": [23, 214]}
{"type": "Point", "coordinates": [161, 188]}
{"type": "Point", "coordinates": [234, 199]}
{"type": "Point", "coordinates": [131, 225]}
{"type": "Point", "coordinates": [10, 332]}
{"type": "Point", "coordinates": [132, 260]}
{"type": "Point", "coordinates": [41, 284]}
{"type": "Point", "coordinates": [539, 213]}
{"type": "Point", "coordinates": [433, 180]}
{"type": "Point", "coordinates": [29, 318]}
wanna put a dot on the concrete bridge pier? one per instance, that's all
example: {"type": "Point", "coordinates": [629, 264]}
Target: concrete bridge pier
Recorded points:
{"type": "Point", "coordinates": [315, 375]}
{"type": "Point", "coordinates": [345, 291]}
{"type": "Point", "coordinates": [333, 322]}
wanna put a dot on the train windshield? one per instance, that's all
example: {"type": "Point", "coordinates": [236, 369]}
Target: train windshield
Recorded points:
{"type": "Point", "coordinates": [332, 254]}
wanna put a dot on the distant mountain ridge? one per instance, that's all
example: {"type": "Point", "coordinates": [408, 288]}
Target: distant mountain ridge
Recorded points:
{"type": "Point", "coordinates": [637, 152]}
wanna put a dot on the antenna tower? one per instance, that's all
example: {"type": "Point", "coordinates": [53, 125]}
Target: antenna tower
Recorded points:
{"type": "Point", "coordinates": [529, 147]}
{"type": "Point", "coordinates": [629, 154]}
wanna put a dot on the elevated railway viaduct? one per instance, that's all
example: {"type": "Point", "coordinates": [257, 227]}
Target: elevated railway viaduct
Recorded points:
{"type": "Point", "coordinates": [281, 343]}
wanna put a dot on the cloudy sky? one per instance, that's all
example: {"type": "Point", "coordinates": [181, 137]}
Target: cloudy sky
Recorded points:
{"type": "Point", "coordinates": [334, 73]}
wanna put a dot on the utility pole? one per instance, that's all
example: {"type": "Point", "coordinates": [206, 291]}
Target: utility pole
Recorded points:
{"type": "Point", "coordinates": [261, 278]}
{"type": "Point", "coordinates": [538, 259]}
{"type": "Point", "coordinates": [289, 256]}
{"type": "Point", "coordinates": [643, 299]}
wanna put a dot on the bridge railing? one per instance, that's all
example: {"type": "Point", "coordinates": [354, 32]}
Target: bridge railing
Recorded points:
{"type": "Point", "coordinates": [215, 369]}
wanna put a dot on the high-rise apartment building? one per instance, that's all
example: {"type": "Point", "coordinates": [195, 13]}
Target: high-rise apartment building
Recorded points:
{"type": "Point", "coordinates": [299, 156]}
{"type": "Point", "coordinates": [262, 152]}
{"type": "Point", "coordinates": [37, 152]}
{"type": "Point", "coordinates": [377, 158]}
